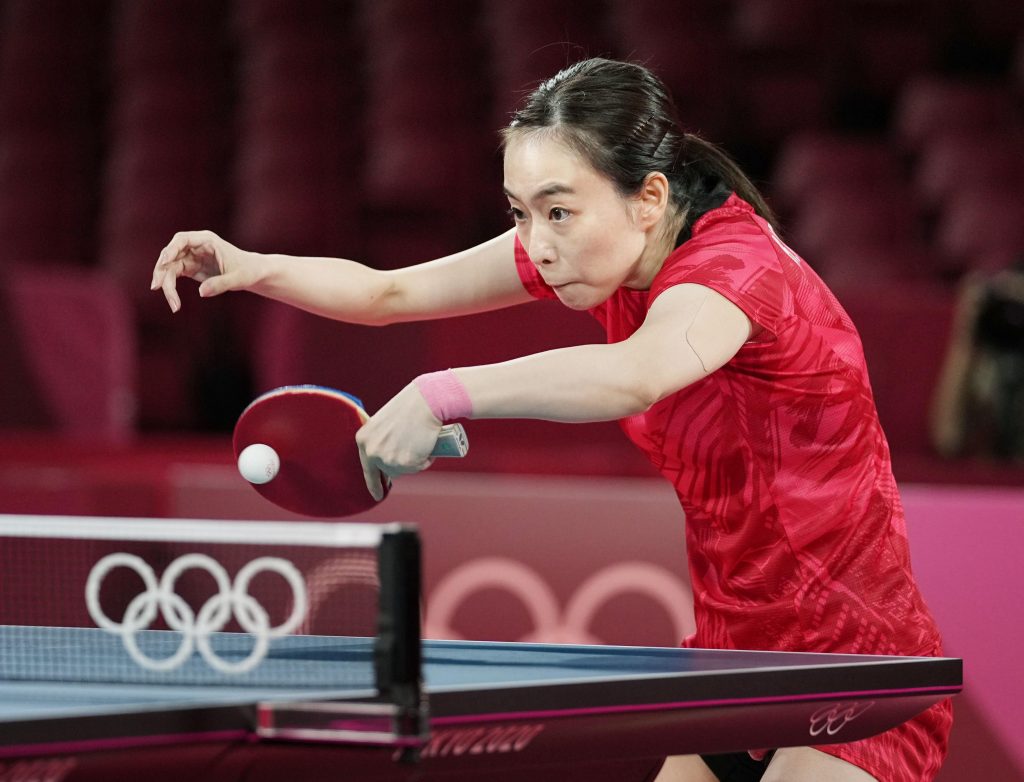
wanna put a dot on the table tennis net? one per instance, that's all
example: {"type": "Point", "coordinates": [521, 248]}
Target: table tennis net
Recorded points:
{"type": "Point", "coordinates": [215, 603]}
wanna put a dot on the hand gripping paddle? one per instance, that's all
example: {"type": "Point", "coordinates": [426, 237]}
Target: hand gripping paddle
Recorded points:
{"type": "Point", "coordinates": [312, 429]}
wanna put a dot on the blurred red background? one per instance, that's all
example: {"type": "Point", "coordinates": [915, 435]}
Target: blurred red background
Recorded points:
{"type": "Point", "coordinates": [888, 134]}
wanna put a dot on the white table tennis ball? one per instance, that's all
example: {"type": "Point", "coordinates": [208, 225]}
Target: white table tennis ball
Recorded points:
{"type": "Point", "coordinates": [258, 463]}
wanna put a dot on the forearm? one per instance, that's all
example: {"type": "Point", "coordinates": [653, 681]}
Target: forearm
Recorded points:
{"type": "Point", "coordinates": [477, 279]}
{"type": "Point", "coordinates": [576, 384]}
{"type": "Point", "coordinates": [330, 287]}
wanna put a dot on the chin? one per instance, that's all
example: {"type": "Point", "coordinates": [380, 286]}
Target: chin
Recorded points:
{"type": "Point", "coordinates": [576, 299]}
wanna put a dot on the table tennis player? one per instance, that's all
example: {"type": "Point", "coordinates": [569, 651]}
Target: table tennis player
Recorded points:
{"type": "Point", "coordinates": [728, 362]}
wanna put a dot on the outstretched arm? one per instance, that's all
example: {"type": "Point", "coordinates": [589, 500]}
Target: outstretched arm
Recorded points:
{"type": "Point", "coordinates": [478, 279]}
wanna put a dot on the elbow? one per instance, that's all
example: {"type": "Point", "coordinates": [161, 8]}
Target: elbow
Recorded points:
{"type": "Point", "coordinates": [637, 382]}
{"type": "Point", "coordinates": [644, 393]}
{"type": "Point", "coordinates": [653, 381]}
{"type": "Point", "coordinates": [382, 306]}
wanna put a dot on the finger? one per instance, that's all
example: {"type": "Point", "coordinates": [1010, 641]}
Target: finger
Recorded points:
{"type": "Point", "coordinates": [159, 270]}
{"type": "Point", "coordinates": [172, 250]}
{"type": "Point", "coordinates": [385, 483]}
{"type": "Point", "coordinates": [170, 255]}
{"type": "Point", "coordinates": [171, 293]}
{"type": "Point", "coordinates": [409, 468]}
{"type": "Point", "coordinates": [371, 476]}
{"type": "Point", "coordinates": [379, 480]}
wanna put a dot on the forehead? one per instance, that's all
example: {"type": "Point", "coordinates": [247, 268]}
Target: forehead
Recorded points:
{"type": "Point", "coordinates": [535, 160]}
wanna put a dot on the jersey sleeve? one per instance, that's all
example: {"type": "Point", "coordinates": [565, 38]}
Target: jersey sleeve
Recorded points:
{"type": "Point", "coordinates": [529, 275]}
{"type": "Point", "coordinates": [741, 262]}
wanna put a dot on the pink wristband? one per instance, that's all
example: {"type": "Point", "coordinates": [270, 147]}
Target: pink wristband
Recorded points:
{"type": "Point", "coordinates": [445, 395]}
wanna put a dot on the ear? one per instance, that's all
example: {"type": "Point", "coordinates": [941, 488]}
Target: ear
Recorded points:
{"type": "Point", "coordinates": [652, 200]}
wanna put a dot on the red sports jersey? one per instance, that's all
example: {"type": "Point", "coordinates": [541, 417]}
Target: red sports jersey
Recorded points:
{"type": "Point", "coordinates": [795, 533]}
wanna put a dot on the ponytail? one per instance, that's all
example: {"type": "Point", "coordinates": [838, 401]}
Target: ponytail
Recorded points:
{"type": "Point", "coordinates": [702, 177]}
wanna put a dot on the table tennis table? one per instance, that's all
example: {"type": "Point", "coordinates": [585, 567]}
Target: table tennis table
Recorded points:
{"type": "Point", "coordinates": [496, 711]}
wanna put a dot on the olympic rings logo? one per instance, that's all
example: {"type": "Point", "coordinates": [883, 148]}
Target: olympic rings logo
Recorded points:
{"type": "Point", "coordinates": [196, 628]}
{"type": "Point", "coordinates": [832, 719]}
{"type": "Point", "coordinates": [552, 623]}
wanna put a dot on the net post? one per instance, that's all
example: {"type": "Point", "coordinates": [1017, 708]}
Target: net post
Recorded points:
{"type": "Point", "coordinates": [397, 648]}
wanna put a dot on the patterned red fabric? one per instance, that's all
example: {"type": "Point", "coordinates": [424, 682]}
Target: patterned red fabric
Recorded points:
{"type": "Point", "coordinates": [795, 532]}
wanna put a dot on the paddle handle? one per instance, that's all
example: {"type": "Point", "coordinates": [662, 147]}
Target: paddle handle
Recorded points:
{"type": "Point", "coordinates": [452, 441]}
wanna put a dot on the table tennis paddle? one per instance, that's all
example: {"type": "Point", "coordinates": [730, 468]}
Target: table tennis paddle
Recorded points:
{"type": "Point", "coordinates": [312, 430]}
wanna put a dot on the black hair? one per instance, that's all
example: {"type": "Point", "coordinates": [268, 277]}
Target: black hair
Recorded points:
{"type": "Point", "coordinates": [620, 117]}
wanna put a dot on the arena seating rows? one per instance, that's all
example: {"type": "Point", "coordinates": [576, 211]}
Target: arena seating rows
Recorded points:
{"type": "Point", "coordinates": [889, 135]}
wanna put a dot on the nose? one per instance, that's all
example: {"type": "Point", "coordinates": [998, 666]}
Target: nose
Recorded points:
{"type": "Point", "coordinates": [540, 249]}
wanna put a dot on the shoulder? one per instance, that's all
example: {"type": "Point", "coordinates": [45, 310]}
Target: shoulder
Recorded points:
{"type": "Point", "coordinates": [727, 245]}
{"type": "Point", "coordinates": [735, 253]}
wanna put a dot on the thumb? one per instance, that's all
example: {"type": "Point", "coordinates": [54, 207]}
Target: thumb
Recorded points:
{"type": "Point", "coordinates": [214, 286]}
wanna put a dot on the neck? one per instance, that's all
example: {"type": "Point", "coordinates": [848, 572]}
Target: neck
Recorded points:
{"type": "Point", "coordinates": [661, 241]}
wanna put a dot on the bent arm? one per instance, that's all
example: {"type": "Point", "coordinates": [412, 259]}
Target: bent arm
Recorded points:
{"type": "Point", "coordinates": [690, 331]}
{"type": "Point", "coordinates": [474, 280]}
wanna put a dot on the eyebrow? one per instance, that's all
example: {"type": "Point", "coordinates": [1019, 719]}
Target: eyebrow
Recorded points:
{"type": "Point", "coordinates": [555, 188]}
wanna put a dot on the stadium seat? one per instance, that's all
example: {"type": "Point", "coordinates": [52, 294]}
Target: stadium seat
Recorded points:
{"type": "Point", "coordinates": [980, 224]}
{"type": "Point", "coordinates": [904, 329]}
{"type": "Point", "coordinates": [453, 20]}
{"type": "Point", "coordinates": [531, 41]}
{"type": "Point", "coordinates": [47, 201]}
{"type": "Point", "coordinates": [930, 105]}
{"type": "Point", "coordinates": [152, 38]}
{"type": "Point", "coordinates": [297, 219]}
{"type": "Point", "coordinates": [799, 28]}
{"type": "Point", "coordinates": [166, 104]}
{"type": "Point", "coordinates": [881, 59]}
{"type": "Point", "coordinates": [266, 18]}
{"type": "Point", "coordinates": [809, 162]}
{"type": "Point", "coordinates": [689, 51]}
{"type": "Point", "coordinates": [79, 334]}
{"type": "Point", "coordinates": [773, 102]}
{"type": "Point", "coordinates": [840, 216]}
{"type": "Point", "coordinates": [955, 161]}
{"type": "Point", "coordinates": [51, 103]}
{"type": "Point", "coordinates": [299, 130]}
{"type": "Point", "coordinates": [867, 260]}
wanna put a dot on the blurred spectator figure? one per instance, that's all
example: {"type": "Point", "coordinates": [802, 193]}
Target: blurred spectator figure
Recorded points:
{"type": "Point", "coordinates": [978, 407]}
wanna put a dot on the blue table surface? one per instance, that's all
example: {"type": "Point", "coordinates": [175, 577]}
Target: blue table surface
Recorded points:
{"type": "Point", "coordinates": [447, 665]}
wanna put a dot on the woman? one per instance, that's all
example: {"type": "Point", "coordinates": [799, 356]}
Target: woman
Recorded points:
{"type": "Point", "coordinates": [728, 363]}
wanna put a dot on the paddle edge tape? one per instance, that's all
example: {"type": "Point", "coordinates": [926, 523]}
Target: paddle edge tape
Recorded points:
{"type": "Point", "coordinates": [310, 388]}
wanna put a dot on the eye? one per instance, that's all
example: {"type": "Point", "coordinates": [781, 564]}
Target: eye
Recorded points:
{"type": "Point", "coordinates": [517, 214]}
{"type": "Point", "coordinates": [558, 214]}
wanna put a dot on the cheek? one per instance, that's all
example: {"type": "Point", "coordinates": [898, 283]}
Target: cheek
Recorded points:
{"type": "Point", "coordinates": [612, 251]}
